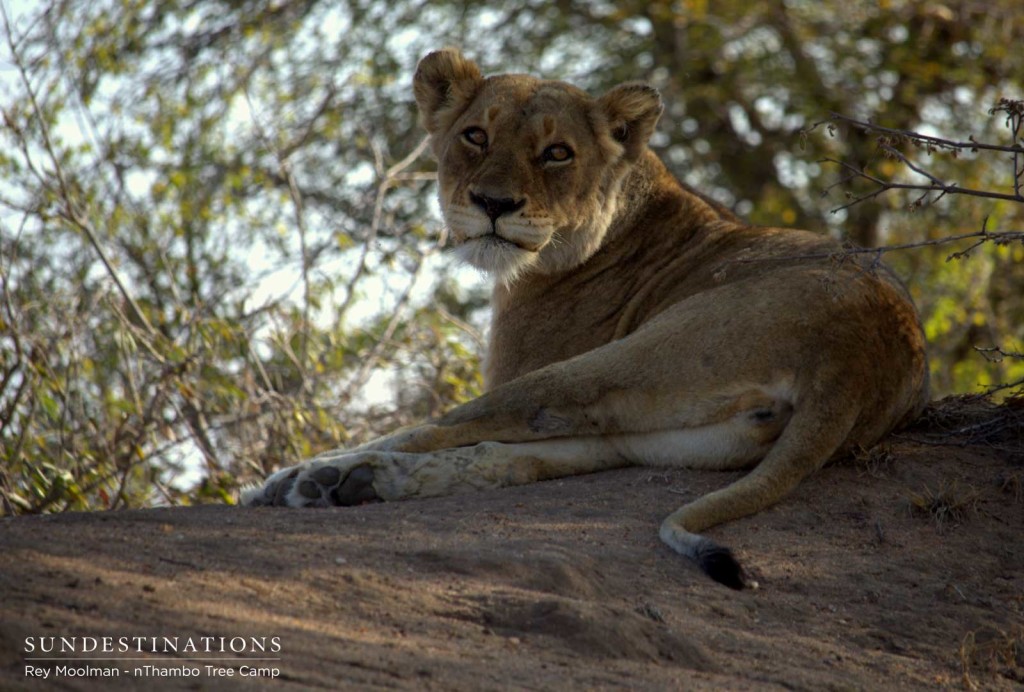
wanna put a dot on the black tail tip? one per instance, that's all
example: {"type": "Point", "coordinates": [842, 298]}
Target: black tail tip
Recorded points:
{"type": "Point", "coordinates": [719, 564]}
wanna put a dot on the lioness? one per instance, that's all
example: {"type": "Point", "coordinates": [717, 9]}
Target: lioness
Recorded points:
{"type": "Point", "coordinates": [634, 321]}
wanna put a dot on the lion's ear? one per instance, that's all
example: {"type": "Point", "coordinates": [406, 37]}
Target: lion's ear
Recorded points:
{"type": "Point", "coordinates": [443, 79]}
{"type": "Point", "coordinates": [631, 111]}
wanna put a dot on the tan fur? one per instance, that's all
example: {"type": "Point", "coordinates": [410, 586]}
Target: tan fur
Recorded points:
{"type": "Point", "coordinates": [634, 321]}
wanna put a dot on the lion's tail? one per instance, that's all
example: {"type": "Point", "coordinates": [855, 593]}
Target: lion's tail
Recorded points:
{"type": "Point", "coordinates": [812, 436]}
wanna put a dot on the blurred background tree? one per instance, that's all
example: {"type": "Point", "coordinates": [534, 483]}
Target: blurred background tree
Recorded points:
{"type": "Point", "coordinates": [218, 236]}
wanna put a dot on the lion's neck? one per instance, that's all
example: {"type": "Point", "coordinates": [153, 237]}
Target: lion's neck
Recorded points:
{"type": "Point", "coordinates": [544, 318]}
{"type": "Point", "coordinates": [650, 192]}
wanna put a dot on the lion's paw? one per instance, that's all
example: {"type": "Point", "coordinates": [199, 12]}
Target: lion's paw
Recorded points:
{"type": "Point", "coordinates": [327, 483]}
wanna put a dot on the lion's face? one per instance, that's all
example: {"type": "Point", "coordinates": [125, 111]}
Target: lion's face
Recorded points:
{"type": "Point", "coordinates": [529, 170]}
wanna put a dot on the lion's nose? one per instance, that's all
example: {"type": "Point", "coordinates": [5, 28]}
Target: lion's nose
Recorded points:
{"type": "Point", "coordinates": [495, 207]}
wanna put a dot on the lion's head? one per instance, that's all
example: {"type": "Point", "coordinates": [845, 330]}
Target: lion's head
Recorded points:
{"type": "Point", "coordinates": [529, 169]}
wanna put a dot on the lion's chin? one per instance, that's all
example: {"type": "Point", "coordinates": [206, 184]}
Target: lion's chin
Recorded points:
{"type": "Point", "coordinates": [494, 255]}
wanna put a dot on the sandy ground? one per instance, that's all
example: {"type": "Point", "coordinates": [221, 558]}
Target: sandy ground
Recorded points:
{"type": "Point", "coordinates": [559, 585]}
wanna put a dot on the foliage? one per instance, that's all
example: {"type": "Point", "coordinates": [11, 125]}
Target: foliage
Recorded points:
{"type": "Point", "coordinates": [984, 309]}
{"type": "Point", "coordinates": [217, 240]}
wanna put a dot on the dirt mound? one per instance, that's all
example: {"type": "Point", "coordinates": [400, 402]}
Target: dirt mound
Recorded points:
{"type": "Point", "coordinates": [903, 568]}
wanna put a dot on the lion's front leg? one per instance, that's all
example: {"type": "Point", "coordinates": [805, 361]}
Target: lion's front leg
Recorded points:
{"type": "Point", "coordinates": [350, 478]}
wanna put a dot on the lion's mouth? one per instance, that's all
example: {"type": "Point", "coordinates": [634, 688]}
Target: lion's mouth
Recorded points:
{"type": "Point", "coordinates": [503, 235]}
{"type": "Point", "coordinates": [496, 240]}
{"type": "Point", "coordinates": [497, 255]}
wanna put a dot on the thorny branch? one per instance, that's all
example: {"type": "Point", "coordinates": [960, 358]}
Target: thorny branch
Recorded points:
{"type": "Point", "coordinates": [996, 354]}
{"type": "Point", "coordinates": [890, 139]}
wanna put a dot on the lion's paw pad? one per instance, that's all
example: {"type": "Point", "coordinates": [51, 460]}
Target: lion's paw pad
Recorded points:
{"type": "Point", "coordinates": [327, 484]}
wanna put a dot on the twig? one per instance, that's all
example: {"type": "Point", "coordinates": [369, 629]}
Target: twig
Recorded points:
{"type": "Point", "coordinates": [992, 389]}
{"type": "Point", "coordinates": [889, 137]}
{"type": "Point", "coordinates": [390, 178]}
{"type": "Point", "coordinates": [886, 185]}
{"type": "Point", "coordinates": [282, 154]}
{"type": "Point", "coordinates": [70, 210]}
{"type": "Point", "coordinates": [371, 358]}
{"type": "Point", "coordinates": [1000, 354]}
{"type": "Point", "coordinates": [971, 145]}
{"type": "Point", "coordinates": [1014, 110]}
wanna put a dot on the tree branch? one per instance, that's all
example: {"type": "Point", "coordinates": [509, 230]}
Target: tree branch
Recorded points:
{"type": "Point", "coordinates": [937, 142]}
{"type": "Point", "coordinates": [889, 138]}
{"type": "Point", "coordinates": [70, 210]}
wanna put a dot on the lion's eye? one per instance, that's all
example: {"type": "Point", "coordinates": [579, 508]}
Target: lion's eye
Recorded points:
{"type": "Point", "coordinates": [475, 136]}
{"type": "Point", "coordinates": [557, 153]}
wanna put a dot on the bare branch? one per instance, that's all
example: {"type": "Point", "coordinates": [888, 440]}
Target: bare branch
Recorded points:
{"type": "Point", "coordinates": [370, 361]}
{"type": "Point", "coordinates": [938, 142]}
{"type": "Point", "coordinates": [390, 179]}
{"type": "Point", "coordinates": [888, 140]}
{"type": "Point", "coordinates": [71, 211]}
{"type": "Point", "coordinates": [996, 354]}
{"type": "Point", "coordinates": [298, 207]}
{"type": "Point", "coordinates": [1014, 110]}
